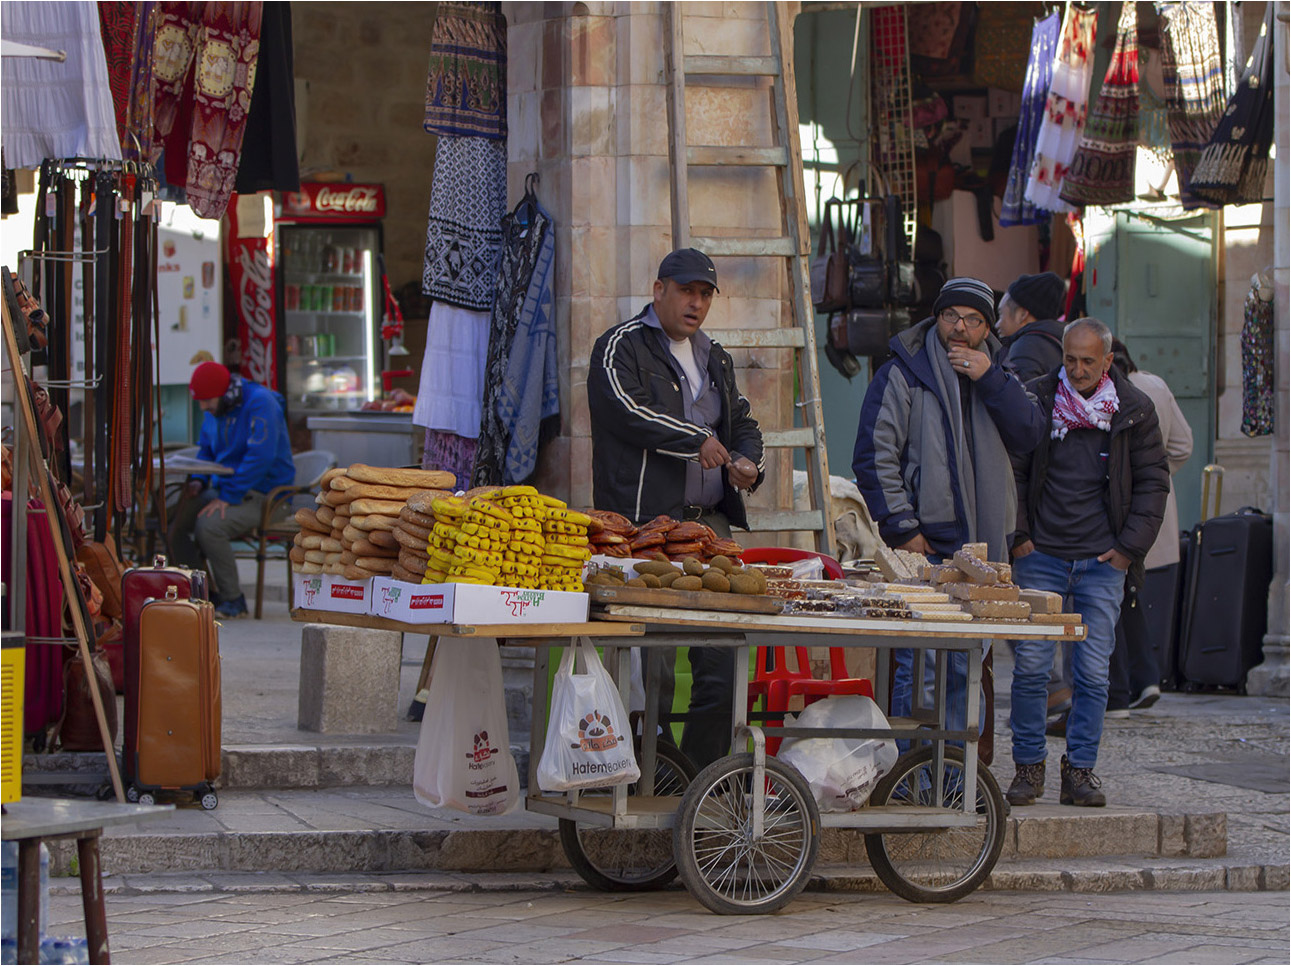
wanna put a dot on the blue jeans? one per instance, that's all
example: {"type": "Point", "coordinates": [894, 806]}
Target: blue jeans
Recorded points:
{"type": "Point", "coordinates": [1094, 590]}
{"type": "Point", "coordinates": [956, 689]}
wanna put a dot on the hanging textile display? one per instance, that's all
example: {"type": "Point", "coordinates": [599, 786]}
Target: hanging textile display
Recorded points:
{"type": "Point", "coordinates": [117, 26]}
{"type": "Point", "coordinates": [50, 109]}
{"type": "Point", "coordinates": [450, 453]}
{"type": "Point", "coordinates": [466, 85]}
{"type": "Point", "coordinates": [204, 70]}
{"type": "Point", "coordinates": [1016, 210]}
{"type": "Point", "coordinates": [137, 142]}
{"type": "Point", "coordinates": [1102, 170]}
{"type": "Point", "coordinates": [452, 374]}
{"type": "Point", "coordinates": [1258, 361]}
{"type": "Point", "coordinates": [1002, 31]}
{"type": "Point", "coordinates": [269, 156]}
{"type": "Point", "coordinates": [467, 201]}
{"type": "Point", "coordinates": [523, 385]}
{"type": "Point", "coordinates": [1193, 72]}
{"type": "Point", "coordinates": [1065, 108]}
{"type": "Point", "coordinates": [1233, 164]}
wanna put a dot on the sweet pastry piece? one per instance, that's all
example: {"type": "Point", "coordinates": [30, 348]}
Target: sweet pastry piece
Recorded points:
{"type": "Point", "coordinates": [1001, 592]}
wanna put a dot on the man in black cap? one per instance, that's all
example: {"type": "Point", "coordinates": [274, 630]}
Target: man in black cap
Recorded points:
{"type": "Point", "coordinates": [1029, 330]}
{"type": "Point", "coordinates": [673, 436]}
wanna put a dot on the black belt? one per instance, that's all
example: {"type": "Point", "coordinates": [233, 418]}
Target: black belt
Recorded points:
{"type": "Point", "coordinates": [693, 512]}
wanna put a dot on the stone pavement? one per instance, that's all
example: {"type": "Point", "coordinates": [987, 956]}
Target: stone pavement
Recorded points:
{"type": "Point", "coordinates": [414, 925]}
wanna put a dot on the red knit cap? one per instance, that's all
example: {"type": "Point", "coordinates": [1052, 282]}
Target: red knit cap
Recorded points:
{"type": "Point", "coordinates": [210, 380]}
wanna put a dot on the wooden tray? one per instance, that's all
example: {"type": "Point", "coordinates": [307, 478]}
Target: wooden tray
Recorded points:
{"type": "Point", "coordinates": [685, 599]}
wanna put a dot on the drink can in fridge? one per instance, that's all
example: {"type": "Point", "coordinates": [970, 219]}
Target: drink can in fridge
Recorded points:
{"type": "Point", "coordinates": [292, 295]}
{"type": "Point", "coordinates": [339, 298]}
{"type": "Point", "coordinates": [324, 298]}
{"type": "Point", "coordinates": [356, 298]}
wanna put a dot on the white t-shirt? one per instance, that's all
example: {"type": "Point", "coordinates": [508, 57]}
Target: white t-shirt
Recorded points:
{"type": "Point", "coordinates": [684, 353]}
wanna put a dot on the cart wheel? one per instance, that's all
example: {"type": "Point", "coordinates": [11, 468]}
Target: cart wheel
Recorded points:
{"type": "Point", "coordinates": [937, 865]}
{"type": "Point", "coordinates": [629, 860]}
{"type": "Point", "coordinates": [720, 863]}
{"type": "Point", "coordinates": [132, 793]}
{"type": "Point", "coordinates": [209, 799]}
{"type": "Point", "coordinates": [147, 798]}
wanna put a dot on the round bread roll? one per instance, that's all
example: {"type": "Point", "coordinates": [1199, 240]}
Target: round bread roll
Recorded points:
{"type": "Point", "coordinates": [315, 556]}
{"type": "Point", "coordinates": [353, 572]}
{"type": "Point", "coordinates": [410, 535]}
{"type": "Point", "coordinates": [378, 565]}
{"type": "Point", "coordinates": [330, 543]}
{"type": "Point", "coordinates": [325, 515]}
{"type": "Point", "coordinates": [405, 574]}
{"type": "Point", "coordinates": [308, 519]}
{"type": "Point", "coordinates": [420, 518]}
{"type": "Point", "coordinates": [374, 521]}
{"type": "Point", "coordinates": [348, 557]}
{"type": "Point", "coordinates": [365, 506]}
{"type": "Point", "coordinates": [312, 540]}
{"type": "Point", "coordinates": [334, 556]}
{"type": "Point", "coordinates": [400, 476]}
{"type": "Point", "coordinates": [379, 491]}
{"type": "Point", "coordinates": [352, 534]}
{"type": "Point", "coordinates": [307, 568]}
{"type": "Point", "coordinates": [383, 538]}
{"type": "Point", "coordinates": [342, 511]}
{"type": "Point", "coordinates": [410, 561]}
{"type": "Point", "coordinates": [326, 480]}
{"type": "Point", "coordinates": [421, 500]}
{"type": "Point", "coordinates": [331, 498]}
{"type": "Point", "coordinates": [366, 548]}
{"type": "Point", "coordinates": [297, 554]}
{"type": "Point", "coordinates": [342, 482]}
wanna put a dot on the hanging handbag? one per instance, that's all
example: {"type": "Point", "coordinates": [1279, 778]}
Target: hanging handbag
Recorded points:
{"type": "Point", "coordinates": [78, 729]}
{"type": "Point", "coordinates": [903, 289]}
{"type": "Point", "coordinates": [870, 330]}
{"type": "Point", "coordinates": [829, 267]}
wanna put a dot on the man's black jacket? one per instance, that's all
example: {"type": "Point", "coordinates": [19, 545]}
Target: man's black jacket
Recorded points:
{"type": "Point", "coordinates": [1138, 474]}
{"type": "Point", "coordinates": [641, 441]}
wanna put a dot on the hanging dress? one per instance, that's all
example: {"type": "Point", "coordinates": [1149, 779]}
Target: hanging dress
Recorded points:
{"type": "Point", "coordinates": [466, 83]}
{"type": "Point", "coordinates": [1102, 169]}
{"type": "Point", "coordinates": [1065, 109]}
{"type": "Point", "coordinates": [1258, 374]}
{"type": "Point", "coordinates": [1016, 210]}
{"type": "Point", "coordinates": [1193, 73]}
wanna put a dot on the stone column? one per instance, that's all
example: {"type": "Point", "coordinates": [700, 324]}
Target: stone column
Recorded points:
{"type": "Point", "coordinates": [1271, 677]}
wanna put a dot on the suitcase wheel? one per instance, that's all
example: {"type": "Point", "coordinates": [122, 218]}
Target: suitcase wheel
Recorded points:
{"type": "Point", "coordinates": [209, 799]}
{"type": "Point", "coordinates": [147, 798]}
{"type": "Point", "coordinates": [132, 793]}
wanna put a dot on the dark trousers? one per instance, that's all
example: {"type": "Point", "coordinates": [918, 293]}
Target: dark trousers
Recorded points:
{"type": "Point", "coordinates": [1134, 663]}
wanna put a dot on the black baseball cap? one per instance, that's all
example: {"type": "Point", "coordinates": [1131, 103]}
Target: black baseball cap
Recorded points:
{"type": "Point", "coordinates": [689, 265]}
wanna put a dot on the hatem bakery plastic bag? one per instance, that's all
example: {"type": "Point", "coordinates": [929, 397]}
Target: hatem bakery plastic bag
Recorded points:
{"type": "Point", "coordinates": [588, 743]}
{"type": "Point", "coordinates": [463, 758]}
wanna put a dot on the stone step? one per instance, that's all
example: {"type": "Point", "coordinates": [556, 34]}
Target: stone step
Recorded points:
{"type": "Point", "coordinates": [384, 830]}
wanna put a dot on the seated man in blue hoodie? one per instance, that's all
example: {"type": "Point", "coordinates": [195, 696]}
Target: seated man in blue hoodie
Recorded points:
{"type": "Point", "coordinates": [932, 450]}
{"type": "Point", "coordinates": [245, 429]}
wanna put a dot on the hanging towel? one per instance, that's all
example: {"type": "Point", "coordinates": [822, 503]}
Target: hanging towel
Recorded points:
{"type": "Point", "coordinates": [117, 29]}
{"type": "Point", "coordinates": [1102, 170]}
{"type": "Point", "coordinates": [464, 232]}
{"type": "Point", "coordinates": [53, 110]}
{"type": "Point", "coordinates": [1016, 210]}
{"type": "Point", "coordinates": [451, 391]}
{"type": "Point", "coordinates": [1064, 112]}
{"type": "Point", "coordinates": [1233, 165]}
{"type": "Point", "coordinates": [466, 85]}
{"type": "Point", "coordinates": [1193, 72]}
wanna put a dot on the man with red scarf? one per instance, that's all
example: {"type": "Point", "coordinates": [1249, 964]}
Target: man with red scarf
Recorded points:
{"type": "Point", "coordinates": [1090, 501]}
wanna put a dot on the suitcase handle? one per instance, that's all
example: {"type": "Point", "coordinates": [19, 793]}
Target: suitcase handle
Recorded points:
{"type": "Point", "coordinates": [1215, 471]}
{"type": "Point", "coordinates": [172, 592]}
{"type": "Point", "coordinates": [159, 561]}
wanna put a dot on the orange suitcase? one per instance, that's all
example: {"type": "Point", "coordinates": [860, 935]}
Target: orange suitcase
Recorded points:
{"type": "Point", "coordinates": [178, 737]}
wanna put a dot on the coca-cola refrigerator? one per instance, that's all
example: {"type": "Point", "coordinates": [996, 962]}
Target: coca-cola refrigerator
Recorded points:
{"type": "Point", "coordinates": [308, 296]}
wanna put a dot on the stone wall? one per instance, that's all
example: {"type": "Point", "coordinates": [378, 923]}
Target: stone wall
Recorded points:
{"type": "Point", "coordinates": [587, 102]}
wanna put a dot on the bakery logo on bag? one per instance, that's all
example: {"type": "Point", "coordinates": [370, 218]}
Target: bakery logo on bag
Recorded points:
{"type": "Point", "coordinates": [596, 733]}
{"type": "Point", "coordinates": [519, 600]}
{"type": "Point", "coordinates": [481, 752]}
{"type": "Point", "coordinates": [311, 588]}
{"type": "Point", "coordinates": [348, 591]}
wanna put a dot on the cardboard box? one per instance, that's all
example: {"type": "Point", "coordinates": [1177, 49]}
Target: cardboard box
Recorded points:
{"type": "Point", "coordinates": [331, 593]}
{"type": "Point", "coordinates": [473, 604]}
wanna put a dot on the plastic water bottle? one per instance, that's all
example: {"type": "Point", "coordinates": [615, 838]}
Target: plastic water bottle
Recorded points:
{"type": "Point", "coordinates": [9, 891]}
{"type": "Point", "coordinates": [64, 949]}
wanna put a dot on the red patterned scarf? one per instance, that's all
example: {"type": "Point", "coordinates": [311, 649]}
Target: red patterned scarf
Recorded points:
{"type": "Point", "coordinates": [1071, 410]}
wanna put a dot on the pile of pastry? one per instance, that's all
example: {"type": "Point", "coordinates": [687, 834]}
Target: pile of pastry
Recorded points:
{"type": "Point", "coordinates": [615, 535]}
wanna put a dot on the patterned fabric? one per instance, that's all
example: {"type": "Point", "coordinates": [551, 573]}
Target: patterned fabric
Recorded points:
{"type": "Point", "coordinates": [217, 44]}
{"type": "Point", "coordinates": [1193, 71]}
{"type": "Point", "coordinates": [467, 202]}
{"type": "Point", "coordinates": [1233, 165]}
{"type": "Point", "coordinates": [1257, 366]}
{"type": "Point", "coordinates": [932, 28]}
{"type": "Point", "coordinates": [450, 452]}
{"type": "Point", "coordinates": [1102, 171]}
{"type": "Point", "coordinates": [1016, 210]}
{"type": "Point", "coordinates": [1064, 111]}
{"type": "Point", "coordinates": [116, 24]}
{"type": "Point", "coordinates": [53, 110]}
{"type": "Point", "coordinates": [137, 143]}
{"type": "Point", "coordinates": [520, 377]}
{"type": "Point", "coordinates": [1002, 31]}
{"type": "Point", "coordinates": [466, 85]}
{"type": "Point", "coordinates": [1071, 410]}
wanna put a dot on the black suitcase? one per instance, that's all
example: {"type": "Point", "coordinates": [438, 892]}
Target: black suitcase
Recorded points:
{"type": "Point", "coordinates": [1159, 599]}
{"type": "Point", "coordinates": [1226, 599]}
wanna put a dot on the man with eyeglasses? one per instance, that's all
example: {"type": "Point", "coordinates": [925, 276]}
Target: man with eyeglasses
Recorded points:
{"type": "Point", "coordinates": [932, 450]}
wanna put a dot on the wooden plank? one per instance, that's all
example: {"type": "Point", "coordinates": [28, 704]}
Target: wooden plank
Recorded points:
{"type": "Point", "coordinates": [804, 438]}
{"type": "Point", "coordinates": [768, 521]}
{"type": "Point", "coordinates": [730, 66]}
{"type": "Point", "coordinates": [512, 631]}
{"type": "Point", "coordinates": [743, 247]}
{"type": "Point", "coordinates": [757, 338]}
{"type": "Point", "coordinates": [685, 599]}
{"type": "Point", "coordinates": [736, 155]}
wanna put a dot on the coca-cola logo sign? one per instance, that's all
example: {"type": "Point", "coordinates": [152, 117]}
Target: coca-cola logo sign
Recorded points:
{"type": "Point", "coordinates": [335, 201]}
{"type": "Point", "coordinates": [253, 281]}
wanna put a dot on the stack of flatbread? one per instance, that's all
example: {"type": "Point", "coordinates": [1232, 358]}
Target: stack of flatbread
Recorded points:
{"type": "Point", "coordinates": [351, 532]}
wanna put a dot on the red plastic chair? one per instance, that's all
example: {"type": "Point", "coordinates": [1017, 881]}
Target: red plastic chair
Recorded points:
{"type": "Point", "coordinates": [778, 684]}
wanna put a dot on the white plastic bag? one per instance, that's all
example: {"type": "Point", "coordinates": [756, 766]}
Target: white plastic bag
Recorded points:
{"type": "Point", "coordinates": [841, 771]}
{"type": "Point", "coordinates": [589, 744]}
{"type": "Point", "coordinates": [463, 758]}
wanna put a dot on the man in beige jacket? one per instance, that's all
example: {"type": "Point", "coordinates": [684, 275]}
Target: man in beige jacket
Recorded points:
{"type": "Point", "coordinates": [1135, 673]}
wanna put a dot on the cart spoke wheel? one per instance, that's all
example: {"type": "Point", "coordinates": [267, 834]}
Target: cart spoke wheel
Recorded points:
{"type": "Point", "coordinates": [720, 862]}
{"type": "Point", "coordinates": [629, 859]}
{"type": "Point", "coordinates": [938, 865]}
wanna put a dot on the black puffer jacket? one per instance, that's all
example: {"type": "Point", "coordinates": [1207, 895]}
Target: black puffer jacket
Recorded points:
{"type": "Point", "coordinates": [1033, 350]}
{"type": "Point", "coordinates": [641, 441]}
{"type": "Point", "coordinates": [1138, 474]}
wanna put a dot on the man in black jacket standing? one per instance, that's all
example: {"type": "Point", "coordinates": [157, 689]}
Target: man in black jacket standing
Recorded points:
{"type": "Point", "coordinates": [1029, 332]}
{"type": "Point", "coordinates": [1090, 501]}
{"type": "Point", "coordinates": [672, 435]}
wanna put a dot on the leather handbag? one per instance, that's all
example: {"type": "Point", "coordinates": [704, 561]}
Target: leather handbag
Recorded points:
{"type": "Point", "coordinates": [78, 729]}
{"type": "Point", "coordinates": [106, 570]}
{"type": "Point", "coordinates": [868, 282]}
{"type": "Point", "coordinates": [870, 330]}
{"type": "Point", "coordinates": [902, 286]}
{"type": "Point", "coordinates": [829, 278]}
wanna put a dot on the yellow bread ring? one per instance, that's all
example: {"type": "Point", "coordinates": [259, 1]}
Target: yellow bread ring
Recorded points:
{"type": "Point", "coordinates": [561, 550]}
{"type": "Point", "coordinates": [480, 558]}
{"type": "Point", "coordinates": [552, 502]}
{"type": "Point", "coordinates": [567, 539]}
{"type": "Point", "coordinates": [475, 573]}
{"type": "Point", "coordinates": [527, 524]}
{"type": "Point", "coordinates": [570, 516]}
{"type": "Point", "coordinates": [519, 490]}
{"type": "Point", "coordinates": [492, 509]}
{"type": "Point", "coordinates": [448, 506]}
{"type": "Point", "coordinates": [434, 577]}
{"type": "Point", "coordinates": [562, 563]}
{"type": "Point", "coordinates": [458, 579]}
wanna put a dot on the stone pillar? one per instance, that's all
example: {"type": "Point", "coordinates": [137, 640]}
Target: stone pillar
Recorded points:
{"type": "Point", "coordinates": [349, 680]}
{"type": "Point", "coordinates": [1271, 676]}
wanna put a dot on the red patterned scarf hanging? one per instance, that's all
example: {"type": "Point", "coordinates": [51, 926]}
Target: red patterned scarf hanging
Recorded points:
{"type": "Point", "coordinates": [1102, 172]}
{"type": "Point", "coordinates": [116, 24]}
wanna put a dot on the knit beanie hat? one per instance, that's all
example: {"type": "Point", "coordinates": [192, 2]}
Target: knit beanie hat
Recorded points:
{"type": "Point", "coordinates": [210, 381]}
{"type": "Point", "coordinates": [971, 292]}
{"type": "Point", "coordinates": [1042, 295]}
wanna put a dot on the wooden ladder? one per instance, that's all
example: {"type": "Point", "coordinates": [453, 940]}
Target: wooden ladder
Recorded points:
{"type": "Point", "coordinates": [793, 246]}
